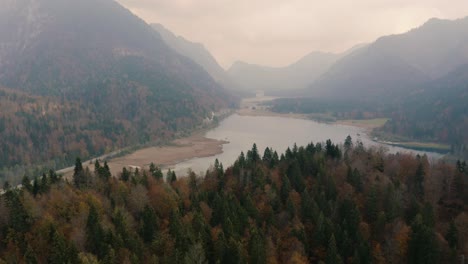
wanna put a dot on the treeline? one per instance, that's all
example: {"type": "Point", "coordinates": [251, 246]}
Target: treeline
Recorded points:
{"type": "Point", "coordinates": [334, 108]}
{"type": "Point", "coordinates": [440, 114]}
{"type": "Point", "coordinates": [321, 203]}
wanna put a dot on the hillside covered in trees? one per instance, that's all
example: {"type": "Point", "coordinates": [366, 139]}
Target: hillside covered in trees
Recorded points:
{"type": "Point", "coordinates": [437, 112]}
{"type": "Point", "coordinates": [80, 83]}
{"type": "Point", "coordinates": [321, 203]}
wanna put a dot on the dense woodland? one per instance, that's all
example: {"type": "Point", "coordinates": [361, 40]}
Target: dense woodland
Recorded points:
{"type": "Point", "coordinates": [437, 113]}
{"type": "Point", "coordinates": [322, 203]}
{"type": "Point", "coordinates": [52, 131]}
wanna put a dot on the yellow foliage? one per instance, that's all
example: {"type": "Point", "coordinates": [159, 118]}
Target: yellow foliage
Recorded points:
{"type": "Point", "coordinates": [87, 258]}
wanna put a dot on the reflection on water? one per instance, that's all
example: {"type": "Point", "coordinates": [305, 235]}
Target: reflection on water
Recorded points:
{"type": "Point", "coordinates": [278, 133]}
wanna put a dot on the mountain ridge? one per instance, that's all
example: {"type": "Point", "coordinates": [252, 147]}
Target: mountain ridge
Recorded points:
{"type": "Point", "coordinates": [198, 53]}
{"type": "Point", "coordinates": [397, 63]}
{"type": "Point", "coordinates": [294, 76]}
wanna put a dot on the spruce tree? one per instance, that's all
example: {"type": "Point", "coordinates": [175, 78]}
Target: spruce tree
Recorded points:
{"type": "Point", "coordinates": [149, 225]}
{"type": "Point", "coordinates": [332, 253]}
{"type": "Point", "coordinates": [422, 247]}
{"type": "Point", "coordinates": [452, 235]}
{"type": "Point", "coordinates": [79, 176]}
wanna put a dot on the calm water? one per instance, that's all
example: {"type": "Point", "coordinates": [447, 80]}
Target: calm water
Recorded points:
{"type": "Point", "coordinates": [278, 133]}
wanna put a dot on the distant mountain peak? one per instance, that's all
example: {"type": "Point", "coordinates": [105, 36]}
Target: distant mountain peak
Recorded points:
{"type": "Point", "coordinates": [165, 33]}
{"type": "Point", "coordinates": [294, 76]}
{"type": "Point", "coordinates": [196, 52]}
{"type": "Point", "coordinates": [436, 20]}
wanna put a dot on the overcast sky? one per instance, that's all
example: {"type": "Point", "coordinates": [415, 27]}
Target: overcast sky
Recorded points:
{"type": "Point", "coordinates": [278, 32]}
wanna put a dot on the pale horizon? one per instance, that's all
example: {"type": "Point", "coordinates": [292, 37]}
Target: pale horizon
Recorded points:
{"type": "Point", "coordinates": [277, 33]}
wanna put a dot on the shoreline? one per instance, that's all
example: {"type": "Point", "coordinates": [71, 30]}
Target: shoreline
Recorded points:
{"type": "Point", "coordinates": [196, 145]}
{"type": "Point", "coordinates": [250, 112]}
{"type": "Point", "coordinates": [419, 146]}
{"type": "Point", "coordinates": [178, 150]}
{"type": "Point", "coordinates": [367, 125]}
{"type": "Point", "coordinates": [182, 149]}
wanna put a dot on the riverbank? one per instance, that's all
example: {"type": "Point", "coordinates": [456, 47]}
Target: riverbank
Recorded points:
{"type": "Point", "coordinates": [421, 146]}
{"type": "Point", "coordinates": [265, 112]}
{"type": "Point", "coordinates": [260, 110]}
{"type": "Point", "coordinates": [179, 150]}
{"type": "Point", "coordinates": [183, 148]}
{"type": "Point", "coordinates": [368, 124]}
{"type": "Point", "coordinates": [189, 147]}
{"type": "Point", "coordinates": [195, 146]}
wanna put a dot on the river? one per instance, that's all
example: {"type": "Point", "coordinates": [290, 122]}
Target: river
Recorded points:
{"type": "Point", "coordinates": [279, 133]}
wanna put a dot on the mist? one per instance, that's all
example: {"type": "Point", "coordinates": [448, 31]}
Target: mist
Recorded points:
{"type": "Point", "coordinates": [277, 33]}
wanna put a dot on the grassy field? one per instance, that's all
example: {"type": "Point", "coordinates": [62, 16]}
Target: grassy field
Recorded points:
{"type": "Point", "coordinates": [377, 122]}
{"type": "Point", "coordinates": [364, 123]}
{"type": "Point", "coordinates": [428, 146]}
{"type": "Point", "coordinates": [404, 142]}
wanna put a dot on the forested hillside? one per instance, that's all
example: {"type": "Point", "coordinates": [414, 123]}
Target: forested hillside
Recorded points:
{"type": "Point", "coordinates": [87, 77]}
{"type": "Point", "coordinates": [41, 130]}
{"type": "Point", "coordinates": [322, 203]}
{"type": "Point", "coordinates": [438, 112]}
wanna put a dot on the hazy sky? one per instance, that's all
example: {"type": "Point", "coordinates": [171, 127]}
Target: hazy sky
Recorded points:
{"type": "Point", "coordinates": [278, 32]}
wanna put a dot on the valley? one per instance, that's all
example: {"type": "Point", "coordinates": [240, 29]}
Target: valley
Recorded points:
{"type": "Point", "coordinates": [261, 136]}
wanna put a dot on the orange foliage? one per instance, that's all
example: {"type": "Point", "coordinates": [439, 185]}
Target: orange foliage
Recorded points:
{"type": "Point", "coordinates": [206, 211]}
{"type": "Point", "coordinates": [402, 238]}
{"type": "Point", "coordinates": [162, 199]}
{"type": "Point", "coordinates": [377, 254]}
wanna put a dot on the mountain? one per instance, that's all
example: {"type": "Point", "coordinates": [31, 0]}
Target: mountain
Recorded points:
{"type": "Point", "coordinates": [394, 65]}
{"type": "Point", "coordinates": [295, 76]}
{"type": "Point", "coordinates": [53, 45]}
{"type": "Point", "coordinates": [247, 77]}
{"type": "Point", "coordinates": [119, 82]}
{"type": "Point", "coordinates": [198, 53]}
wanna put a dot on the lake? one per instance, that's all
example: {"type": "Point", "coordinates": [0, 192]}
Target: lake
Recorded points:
{"type": "Point", "coordinates": [278, 133]}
